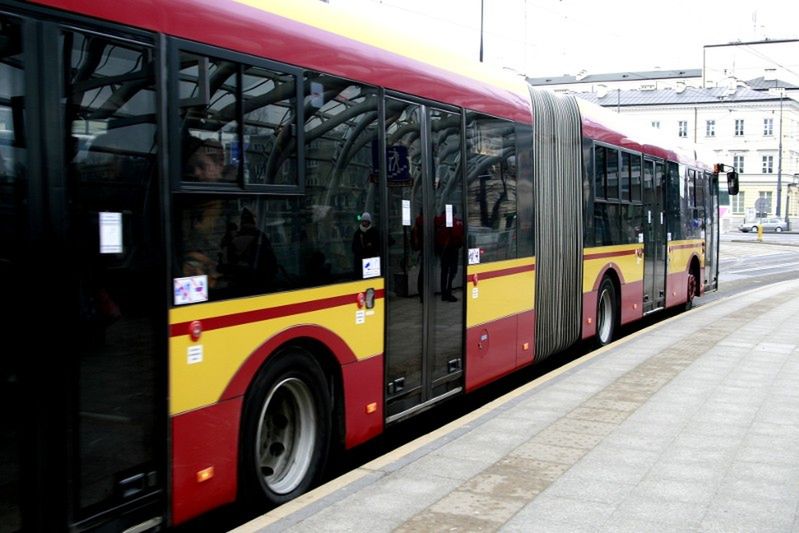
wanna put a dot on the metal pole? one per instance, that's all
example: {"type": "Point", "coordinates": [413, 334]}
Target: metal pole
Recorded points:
{"type": "Point", "coordinates": [779, 158]}
{"type": "Point", "coordinates": [482, 10]}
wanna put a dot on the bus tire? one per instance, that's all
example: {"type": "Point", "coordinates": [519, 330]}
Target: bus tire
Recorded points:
{"type": "Point", "coordinates": [691, 291]}
{"type": "Point", "coordinates": [286, 429]}
{"type": "Point", "coordinates": [605, 312]}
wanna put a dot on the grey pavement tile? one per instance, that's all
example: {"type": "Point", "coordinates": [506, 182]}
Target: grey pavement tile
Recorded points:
{"type": "Point", "coordinates": [741, 514]}
{"type": "Point", "coordinates": [621, 524]}
{"type": "Point", "coordinates": [608, 416]}
{"type": "Point", "coordinates": [568, 439]}
{"type": "Point", "coordinates": [435, 521]}
{"type": "Point", "coordinates": [686, 470]}
{"type": "Point", "coordinates": [659, 488]}
{"type": "Point", "coordinates": [480, 506]}
{"type": "Point", "coordinates": [588, 489]}
{"type": "Point", "coordinates": [567, 512]}
{"type": "Point", "coordinates": [611, 464]}
{"type": "Point", "coordinates": [637, 441]}
{"type": "Point", "coordinates": [757, 488]}
{"type": "Point", "coordinates": [667, 512]}
{"type": "Point", "coordinates": [535, 449]}
{"type": "Point", "coordinates": [457, 468]}
{"type": "Point", "coordinates": [581, 425]}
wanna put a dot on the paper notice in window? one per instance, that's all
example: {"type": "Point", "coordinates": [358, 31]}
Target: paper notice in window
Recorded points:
{"type": "Point", "coordinates": [406, 212]}
{"type": "Point", "coordinates": [448, 210]}
{"type": "Point", "coordinates": [110, 233]}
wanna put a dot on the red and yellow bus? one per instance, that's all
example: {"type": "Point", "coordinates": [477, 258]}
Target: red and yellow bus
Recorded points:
{"type": "Point", "coordinates": [239, 236]}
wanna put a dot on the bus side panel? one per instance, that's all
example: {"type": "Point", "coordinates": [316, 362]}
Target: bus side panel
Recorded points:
{"type": "Point", "coordinates": [499, 319]}
{"type": "Point", "coordinates": [363, 392]}
{"type": "Point", "coordinates": [680, 255]}
{"type": "Point", "coordinates": [490, 351]}
{"type": "Point", "coordinates": [632, 298]}
{"type": "Point", "coordinates": [204, 459]}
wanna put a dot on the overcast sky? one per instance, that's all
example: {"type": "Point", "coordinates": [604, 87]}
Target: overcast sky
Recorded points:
{"type": "Point", "coordinates": [555, 37]}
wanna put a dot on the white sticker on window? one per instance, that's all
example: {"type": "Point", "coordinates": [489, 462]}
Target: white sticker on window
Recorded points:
{"type": "Point", "coordinates": [194, 354]}
{"type": "Point", "coordinates": [703, 234]}
{"type": "Point", "coordinates": [448, 211]}
{"type": "Point", "coordinates": [641, 237]}
{"type": "Point", "coordinates": [474, 256]}
{"type": "Point", "coordinates": [371, 267]}
{"type": "Point", "coordinates": [668, 236]}
{"type": "Point", "coordinates": [110, 233]}
{"type": "Point", "coordinates": [190, 290]}
{"type": "Point", "coordinates": [406, 212]}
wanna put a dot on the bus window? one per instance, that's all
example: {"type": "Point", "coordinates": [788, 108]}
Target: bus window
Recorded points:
{"type": "Point", "coordinates": [13, 213]}
{"type": "Point", "coordinates": [491, 187]}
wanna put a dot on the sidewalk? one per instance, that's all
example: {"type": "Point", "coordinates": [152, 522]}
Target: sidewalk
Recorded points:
{"type": "Point", "coordinates": [692, 424]}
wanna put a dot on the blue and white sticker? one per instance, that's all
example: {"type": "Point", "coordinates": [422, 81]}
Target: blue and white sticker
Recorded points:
{"type": "Point", "coordinates": [474, 256]}
{"type": "Point", "coordinates": [194, 354]}
{"type": "Point", "coordinates": [190, 290]}
{"type": "Point", "coordinates": [371, 267]}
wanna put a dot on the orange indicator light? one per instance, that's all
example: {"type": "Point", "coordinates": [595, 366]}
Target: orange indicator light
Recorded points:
{"type": "Point", "coordinates": [205, 474]}
{"type": "Point", "coordinates": [590, 320]}
{"type": "Point", "coordinates": [526, 346]}
{"type": "Point", "coordinates": [371, 408]}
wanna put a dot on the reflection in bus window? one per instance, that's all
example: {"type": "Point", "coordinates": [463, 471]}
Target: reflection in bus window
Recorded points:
{"type": "Point", "coordinates": [13, 213]}
{"type": "Point", "coordinates": [491, 186]}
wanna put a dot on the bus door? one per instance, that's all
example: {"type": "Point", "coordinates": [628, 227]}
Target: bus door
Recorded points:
{"type": "Point", "coordinates": [108, 225]}
{"type": "Point", "coordinates": [654, 235]}
{"type": "Point", "coordinates": [425, 273]}
{"type": "Point", "coordinates": [711, 230]}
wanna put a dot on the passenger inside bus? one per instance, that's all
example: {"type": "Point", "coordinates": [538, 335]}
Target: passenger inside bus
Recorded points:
{"type": "Point", "coordinates": [365, 244]}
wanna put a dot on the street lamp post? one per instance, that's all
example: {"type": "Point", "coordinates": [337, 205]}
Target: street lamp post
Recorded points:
{"type": "Point", "coordinates": [779, 158]}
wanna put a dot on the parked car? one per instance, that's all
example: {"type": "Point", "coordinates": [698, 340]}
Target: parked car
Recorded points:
{"type": "Point", "coordinates": [769, 224]}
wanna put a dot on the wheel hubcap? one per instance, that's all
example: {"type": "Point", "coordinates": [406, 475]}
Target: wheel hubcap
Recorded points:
{"type": "Point", "coordinates": [605, 318]}
{"type": "Point", "coordinates": [286, 435]}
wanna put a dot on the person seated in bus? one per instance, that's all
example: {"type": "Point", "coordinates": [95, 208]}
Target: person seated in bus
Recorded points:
{"type": "Point", "coordinates": [249, 262]}
{"type": "Point", "coordinates": [365, 243]}
{"type": "Point", "coordinates": [205, 222]}
{"type": "Point", "coordinates": [206, 162]}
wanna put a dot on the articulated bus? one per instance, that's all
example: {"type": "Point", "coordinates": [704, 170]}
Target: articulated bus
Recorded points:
{"type": "Point", "coordinates": [240, 236]}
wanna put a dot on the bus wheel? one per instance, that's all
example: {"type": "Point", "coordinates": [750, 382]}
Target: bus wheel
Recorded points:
{"type": "Point", "coordinates": [689, 303]}
{"type": "Point", "coordinates": [286, 432]}
{"type": "Point", "coordinates": [605, 313]}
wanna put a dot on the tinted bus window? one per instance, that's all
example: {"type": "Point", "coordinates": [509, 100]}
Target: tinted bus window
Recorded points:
{"type": "Point", "coordinates": [491, 186]}
{"type": "Point", "coordinates": [237, 122]}
{"type": "Point", "coordinates": [635, 178]}
{"type": "Point", "coordinates": [13, 230]}
{"type": "Point", "coordinates": [251, 243]}
{"type": "Point", "coordinates": [612, 174]}
{"type": "Point", "coordinates": [600, 158]}
{"type": "Point", "coordinates": [624, 177]}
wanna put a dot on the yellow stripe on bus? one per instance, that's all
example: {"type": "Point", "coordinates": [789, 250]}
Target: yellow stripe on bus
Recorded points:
{"type": "Point", "coordinates": [630, 264]}
{"type": "Point", "coordinates": [501, 296]}
{"type": "Point", "coordinates": [200, 371]}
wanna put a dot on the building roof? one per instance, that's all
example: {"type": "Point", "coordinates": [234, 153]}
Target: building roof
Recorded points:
{"type": "Point", "coordinates": [688, 95]}
{"type": "Point", "coordinates": [761, 84]}
{"type": "Point", "coordinates": [618, 76]}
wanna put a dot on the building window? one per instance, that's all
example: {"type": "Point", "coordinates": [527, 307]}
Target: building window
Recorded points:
{"type": "Point", "coordinates": [656, 124]}
{"type": "Point", "coordinates": [710, 128]}
{"type": "Point", "coordinates": [768, 164]}
{"type": "Point", "coordinates": [737, 202]}
{"type": "Point", "coordinates": [767, 205]}
{"type": "Point", "coordinates": [682, 128]}
{"type": "Point", "coordinates": [738, 163]}
{"type": "Point", "coordinates": [768, 127]}
{"type": "Point", "coordinates": [739, 127]}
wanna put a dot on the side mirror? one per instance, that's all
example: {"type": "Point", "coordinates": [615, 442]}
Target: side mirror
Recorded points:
{"type": "Point", "coordinates": [732, 183]}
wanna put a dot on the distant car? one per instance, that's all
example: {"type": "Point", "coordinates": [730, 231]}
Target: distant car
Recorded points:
{"type": "Point", "coordinates": [769, 224]}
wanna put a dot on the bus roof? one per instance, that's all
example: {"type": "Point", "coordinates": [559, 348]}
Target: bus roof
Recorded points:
{"type": "Point", "coordinates": [606, 126]}
{"type": "Point", "coordinates": [314, 35]}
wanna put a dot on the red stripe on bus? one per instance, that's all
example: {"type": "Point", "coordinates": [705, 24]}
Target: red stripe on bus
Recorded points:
{"type": "Point", "coordinates": [684, 246]}
{"type": "Point", "coordinates": [505, 272]}
{"type": "Point", "coordinates": [259, 315]}
{"type": "Point", "coordinates": [609, 254]}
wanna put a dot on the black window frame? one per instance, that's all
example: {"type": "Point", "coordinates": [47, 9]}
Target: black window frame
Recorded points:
{"type": "Point", "coordinates": [176, 46]}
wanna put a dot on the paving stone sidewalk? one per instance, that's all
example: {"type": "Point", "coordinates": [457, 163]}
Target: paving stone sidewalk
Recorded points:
{"type": "Point", "coordinates": [692, 425]}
